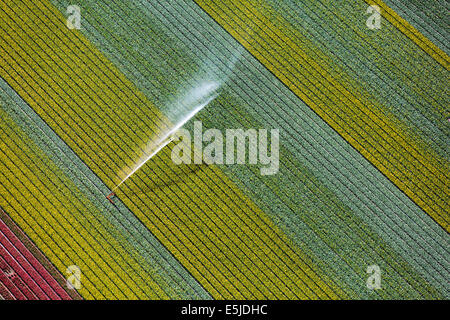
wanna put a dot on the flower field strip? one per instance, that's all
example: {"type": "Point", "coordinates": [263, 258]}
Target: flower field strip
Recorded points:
{"type": "Point", "coordinates": [153, 74]}
{"type": "Point", "coordinates": [393, 75]}
{"type": "Point", "coordinates": [18, 271]}
{"type": "Point", "coordinates": [412, 33]}
{"type": "Point", "coordinates": [87, 252]}
{"type": "Point", "coordinates": [428, 17]}
{"type": "Point", "coordinates": [28, 267]}
{"type": "Point", "coordinates": [28, 249]}
{"type": "Point", "coordinates": [313, 284]}
{"type": "Point", "coordinates": [130, 231]}
{"type": "Point", "coordinates": [410, 169]}
{"type": "Point", "coordinates": [5, 294]}
{"type": "Point", "coordinates": [14, 283]}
